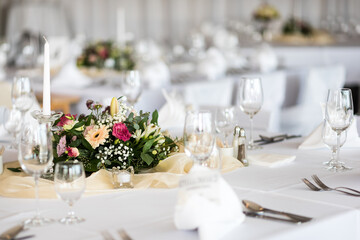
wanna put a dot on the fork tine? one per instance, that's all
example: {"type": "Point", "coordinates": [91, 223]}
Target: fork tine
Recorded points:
{"type": "Point", "coordinates": [320, 183]}
{"type": "Point", "coordinates": [123, 234]}
{"type": "Point", "coordinates": [310, 185]}
{"type": "Point", "coordinates": [106, 235]}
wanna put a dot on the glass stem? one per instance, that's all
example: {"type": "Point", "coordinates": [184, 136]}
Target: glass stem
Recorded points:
{"type": "Point", "coordinates": [36, 178]}
{"type": "Point", "coordinates": [337, 147]}
{"type": "Point", "coordinates": [251, 140]}
{"type": "Point", "coordinates": [71, 213]}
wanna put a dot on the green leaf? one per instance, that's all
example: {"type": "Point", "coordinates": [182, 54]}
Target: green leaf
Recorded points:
{"type": "Point", "coordinates": [155, 117]}
{"type": "Point", "coordinates": [88, 120]}
{"type": "Point", "coordinates": [86, 144]}
{"type": "Point", "coordinates": [148, 145]}
{"type": "Point", "coordinates": [75, 143]}
{"type": "Point", "coordinates": [79, 124]}
{"type": "Point", "coordinates": [18, 169]}
{"type": "Point", "coordinates": [136, 126]}
{"type": "Point", "coordinates": [147, 158]}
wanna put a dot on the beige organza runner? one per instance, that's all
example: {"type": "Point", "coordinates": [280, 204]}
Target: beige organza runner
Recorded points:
{"type": "Point", "coordinates": [165, 175]}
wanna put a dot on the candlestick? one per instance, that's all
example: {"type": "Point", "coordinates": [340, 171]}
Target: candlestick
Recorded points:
{"type": "Point", "coordinates": [46, 80]}
{"type": "Point", "coordinates": [120, 26]}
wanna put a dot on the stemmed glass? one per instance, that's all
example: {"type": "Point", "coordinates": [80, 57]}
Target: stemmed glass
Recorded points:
{"type": "Point", "coordinates": [199, 139]}
{"type": "Point", "coordinates": [223, 121]}
{"type": "Point", "coordinates": [131, 86]}
{"type": "Point", "coordinates": [36, 157]}
{"type": "Point", "coordinates": [329, 137]}
{"type": "Point", "coordinates": [12, 120]}
{"type": "Point", "coordinates": [339, 114]}
{"type": "Point", "coordinates": [22, 95]}
{"type": "Point", "coordinates": [69, 186]}
{"type": "Point", "coordinates": [251, 100]}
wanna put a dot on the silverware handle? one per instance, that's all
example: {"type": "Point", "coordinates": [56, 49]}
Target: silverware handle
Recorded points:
{"type": "Point", "coordinates": [346, 192]}
{"type": "Point", "coordinates": [290, 215]}
{"type": "Point", "coordinates": [350, 189]}
{"type": "Point", "coordinates": [256, 215]}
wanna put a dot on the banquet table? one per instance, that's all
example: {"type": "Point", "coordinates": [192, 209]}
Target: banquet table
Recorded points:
{"type": "Point", "coordinates": [149, 213]}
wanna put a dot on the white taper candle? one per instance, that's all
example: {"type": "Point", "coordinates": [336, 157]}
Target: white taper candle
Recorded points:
{"type": "Point", "coordinates": [46, 80]}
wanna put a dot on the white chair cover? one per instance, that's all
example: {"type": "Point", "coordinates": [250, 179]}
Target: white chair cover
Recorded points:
{"type": "Point", "coordinates": [306, 115]}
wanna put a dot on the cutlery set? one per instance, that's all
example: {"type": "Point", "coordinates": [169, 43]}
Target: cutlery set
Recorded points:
{"type": "Point", "coordinates": [324, 187]}
{"type": "Point", "coordinates": [278, 138]}
{"type": "Point", "coordinates": [122, 233]}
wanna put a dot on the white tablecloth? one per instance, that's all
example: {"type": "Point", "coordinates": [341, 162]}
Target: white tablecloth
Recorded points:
{"type": "Point", "coordinates": [148, 214]}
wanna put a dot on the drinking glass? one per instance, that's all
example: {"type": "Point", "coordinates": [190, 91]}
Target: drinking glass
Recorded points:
{"type": "Point", "coordinates": [11, 121]}
{"type": "Point", "coordinates": [339, 114]}
{"type": "Point", "coordinates": [22, 95]}
{"type": "Point", "coordinates": [199, 138]}
{"type": "Point", "coordinates": [329, 137]}
{"type": "Point", "coordinates": [251, 100]}
{"type": "Point", "coordinates": [131, 86]}
{"type": "Point", "coordinates": [69, 186]}
{"type": "Point", "coordinates": [224, 121]}
{"type": "Point", "coordinates": [36, 157]}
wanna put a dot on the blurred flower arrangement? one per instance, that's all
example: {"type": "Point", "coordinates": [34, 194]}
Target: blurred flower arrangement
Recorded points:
{"type": "Point", "coordinates": [295, 26]}
{"type": "Point", "coordinates": [114, 137]}
{"type": "Point", "coordinates": [105, 54]}
{"type": "Point", "coordinates": [266, 13]}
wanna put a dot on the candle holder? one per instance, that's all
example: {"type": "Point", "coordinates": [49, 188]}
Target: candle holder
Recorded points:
{"type": "Point", "coordinates": [122, 178]}
{"type": "Point", "coordinates": [41, 118]}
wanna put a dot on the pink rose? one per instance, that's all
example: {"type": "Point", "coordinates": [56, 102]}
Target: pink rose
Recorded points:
{"type": "Point", "coordinates": [72, 151]}
{"type": "Point", "coordinates": [61, 147]}
{"type": "Point", "coordinates": [121, 132]}
{"type": "Point", "coordinates": [67, 119]}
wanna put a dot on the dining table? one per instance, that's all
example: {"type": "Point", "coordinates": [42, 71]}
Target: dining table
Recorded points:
{"type": "Point", "coordinates": [149, 213]}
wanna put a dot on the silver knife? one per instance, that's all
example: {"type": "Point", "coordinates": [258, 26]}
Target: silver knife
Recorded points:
{"type": "Point", "coordinates": [257, 215]}
{"type": "Point", "coordinates": [12, 232]}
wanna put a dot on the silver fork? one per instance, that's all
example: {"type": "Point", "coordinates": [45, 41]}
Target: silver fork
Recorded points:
{"type": "Point", "coordinates": [327, 188]}
{"type": "Point", "coordinates": [106, 235]}
{"type": "Point", "coordinates": [310, 185]}
{"type": "Point", "coordinates": [123, 234]}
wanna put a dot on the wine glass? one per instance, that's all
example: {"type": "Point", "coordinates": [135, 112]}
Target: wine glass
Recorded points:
{"type": "Point", "coordinates": [36, 157]}
{"type": "Point", "coordinates": [69, 186]}
{"type": "Point", "coordinates": [329, 137]}
{"type": "Point", "coordinates": [11, 121]}
{"type": "Point", "coordinates": [339, 114]}
{"type": "Point", "coordinates": [199, 139]}
{"type": "Point", "coordinates": [251, 99]}
{"type": "Point", "coordinates": [22, 95]}
{"type": "Point", "coordinates": [223, 121]}
{"type": "Point", "coordinates": [131, 86]}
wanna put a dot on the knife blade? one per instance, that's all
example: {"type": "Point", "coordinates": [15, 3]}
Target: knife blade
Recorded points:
{"type": "Point", "coordinates": [262, 216]}
{"type": "Point", "coordinates": [12, 232]}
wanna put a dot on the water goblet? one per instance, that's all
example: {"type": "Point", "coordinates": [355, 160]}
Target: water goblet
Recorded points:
{"type": "Point", "coordinates": [22, 95]}
{"type": "Point", "coordinates": [339, 115]}
{"type": "Point", "coordinates": [251, 100]}
{"type": "Point", "coordinates": [69, 186]}
{"type": "Point", "coordinates": [199, 138]}
{"type": "Point", "coordinates": [131, 86]}
{"type": "Point", "coordinates": [329, 138]}
{"type": "Point", "coordinates": [36, 157]}
{"type": "Point", "coordinates": [224, 120]}
{"type": "Point", "coordinates": [11, 121]}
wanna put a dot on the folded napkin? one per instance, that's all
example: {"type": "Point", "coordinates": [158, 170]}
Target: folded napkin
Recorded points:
{"type": "Point", "coordinates": [164, 175]}
{"type": "Point", "coordinates": [265, 58]}
{"type": "Point", "coordinates": [213, 65]}
{"type": "Point", "coordinates": [314, 140]}
{"type": "Point", "coordinates": [207, 202]}
{"type": "Point", "coordinates": [172, 114]}
{"type": "Point", "coordinates": [70, 76]}
{"type": "Point", "coordinates": [270, 159]}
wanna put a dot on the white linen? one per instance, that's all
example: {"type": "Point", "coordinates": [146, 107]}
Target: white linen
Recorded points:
{"type": "Point", "coordinates": [315, 141]}
{"type": "Point", "coordinates": [172, 114]}
{"type": "Point", "coordinates": [197, 209]}
{"type": "Point", "coordinates": [270, 159]}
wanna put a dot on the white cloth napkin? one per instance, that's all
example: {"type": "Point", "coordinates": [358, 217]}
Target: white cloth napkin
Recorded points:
{"type": "Point", "coordinates": [265, 58]}
{"type": "Point", "coordinates": [70, 76]}
{"type": "Point", "coordinates": [213, 65]}
{"type": "Point", "coordinates": [172, 114]}
{"type": "Point", "coordinates": [213, 219]}
{"type": "Point", "coordinates": [314, 140]}
{"type": "Point", "coordinates": [155, 73]}
{"type": "Point", "coordinates": [270, 159]}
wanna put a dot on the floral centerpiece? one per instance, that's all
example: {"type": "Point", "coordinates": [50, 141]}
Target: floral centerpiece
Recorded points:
{"type": "Point", "coordinates": [116, 136]}
{"type": "Point", "coordinates": [105, 59]}
{"type": "Point", "coordinates": [266, 13]}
